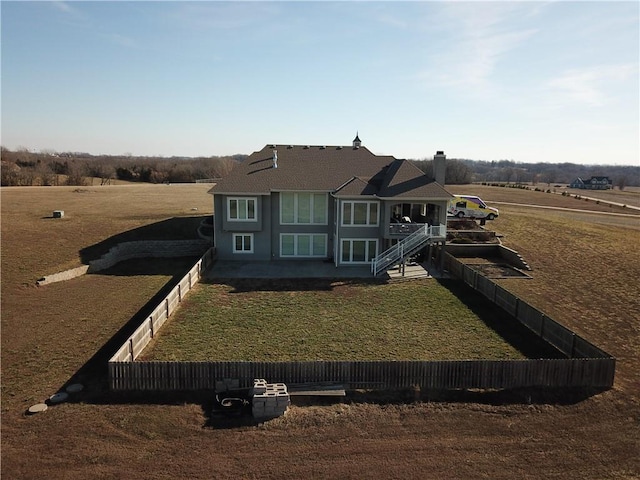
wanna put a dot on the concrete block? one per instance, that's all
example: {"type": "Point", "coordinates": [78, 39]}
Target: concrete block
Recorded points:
{"type": "Point", "coordinates": [271, 411]}
{"type": "Point", "coordinates": [260, 398]}
{"type": "Point", "coordinates": [259, 386]}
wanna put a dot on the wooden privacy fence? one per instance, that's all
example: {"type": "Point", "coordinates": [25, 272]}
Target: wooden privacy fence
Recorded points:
{"type": "Point", "coordinates": [136, 343]}
{"type": "Point", "coordinates": [585, 366]}
{"type": "Point", "coordinates": [481, 374]}
{"type": "Point", "coordinates": [554, 333]}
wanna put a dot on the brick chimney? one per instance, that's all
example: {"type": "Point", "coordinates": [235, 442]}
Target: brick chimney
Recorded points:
{"type": "Point", "coordinates": [439, 167]}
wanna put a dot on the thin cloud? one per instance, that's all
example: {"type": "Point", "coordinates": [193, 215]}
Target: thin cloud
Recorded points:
{"type": "Point", "coordinates": [122, 40]}
{"type": "Point", "coordinates": [592, 86]}
{"type": "Point", "coordinates": [66, 8]}
{"type": "Point", "coordinates": [220, 15]}
{"type": "Point", "coordinates": [473, 61]}
{"type": "Point", "coordinates": [63, 7]}
{"type": "Point", "coordinates": [479, 36]}
{"type": "Point", "coordinates": [386, 17]}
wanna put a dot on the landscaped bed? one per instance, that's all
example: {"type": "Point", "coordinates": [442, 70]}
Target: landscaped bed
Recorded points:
{"type": "Point", "coordinates": [291, 320]}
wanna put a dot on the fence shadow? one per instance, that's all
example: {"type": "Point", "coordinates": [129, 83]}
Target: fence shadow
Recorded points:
{"type": "Point", "coordinates": [151, 266]}
{"type": "Point", "coordinates": [94, 374]}
{"type": "Point", "coordinates": [509, 396]}
{"type": "Point", "coordinates": [176, 228]}
{"type": "Point", "coordinates": [501, 322]}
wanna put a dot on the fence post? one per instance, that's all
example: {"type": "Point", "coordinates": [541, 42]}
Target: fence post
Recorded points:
{"type": "Point", "coordinates": [131, 350]}
{"type": "Point", "coordinates": [179, 292]}
{"type": "Point", "coordinates": [151, 325]}
{"type": "Point", "coordinates": [166, 304]}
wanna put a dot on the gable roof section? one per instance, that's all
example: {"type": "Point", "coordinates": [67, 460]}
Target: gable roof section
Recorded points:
{"type": "Point", "coordinates": [357, 186]}
{"type": "Point", "coordinates": [404, 180]}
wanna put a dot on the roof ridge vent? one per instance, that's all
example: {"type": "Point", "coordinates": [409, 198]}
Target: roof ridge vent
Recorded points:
{"type": "Point", "coordinates": [323, 147]}
{"type": "Point", "coordinates": [306, 147]}
{"type": "Point", "coordinates": [338, 148]}
{"type": "Point", "coordinates": [290, 147]}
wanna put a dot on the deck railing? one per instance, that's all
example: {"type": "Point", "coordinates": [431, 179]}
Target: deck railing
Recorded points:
{"type": "Point", "coordinates": [409, 245]}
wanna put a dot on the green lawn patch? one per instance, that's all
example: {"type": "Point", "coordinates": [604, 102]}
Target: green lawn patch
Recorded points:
{"type": "Point", "coordinates": [289, 320]}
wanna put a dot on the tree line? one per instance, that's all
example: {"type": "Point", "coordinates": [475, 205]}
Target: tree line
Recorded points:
{"type": "Point", "coordinates": [22, 167]}
{"type": "Point", "coordinates": [25, 167]}
{"type": "Point", "coordinates": [463, 171]}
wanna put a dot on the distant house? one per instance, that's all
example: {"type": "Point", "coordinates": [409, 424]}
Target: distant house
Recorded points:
{"type": "Point", "coordinates": [595, 183]}
{"type": "Point", "coordinates": [337, 203]}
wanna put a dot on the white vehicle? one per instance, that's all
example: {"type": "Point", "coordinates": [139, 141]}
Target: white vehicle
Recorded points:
{"type": "Point", "coordinates": [470, 206]}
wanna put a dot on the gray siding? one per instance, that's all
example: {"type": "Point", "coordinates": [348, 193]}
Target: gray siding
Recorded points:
{"type": "Point", "coordinates": [225, 229]}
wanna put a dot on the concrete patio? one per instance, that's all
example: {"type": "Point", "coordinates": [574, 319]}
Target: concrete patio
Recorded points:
{"type": "Point", "coordinates": [304, 269]}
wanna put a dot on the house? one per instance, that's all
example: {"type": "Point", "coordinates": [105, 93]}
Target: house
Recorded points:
{"type": "Point", "coordinates": [334, 203]}
{"type": "Point", "coordinates": [595, 183]}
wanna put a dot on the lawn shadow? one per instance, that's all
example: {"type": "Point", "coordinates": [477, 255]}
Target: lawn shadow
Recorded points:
{"type": "Point", "coordinates": [176, 228]}
{"type": "Point", "coordinates": [93, 375]}
{"type": "Point", "coordinates": [496, 397]}
{"type": "Point", "coordinates": [501, 322]}
{"type": "Point", "coordinates": [150, 266]}
{"type": "Point", "coordinates": [244, 285]}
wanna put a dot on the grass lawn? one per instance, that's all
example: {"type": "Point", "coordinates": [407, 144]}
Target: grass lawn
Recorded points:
{"type": "Point", "coordinates": [282, 320]}
{"type": "Point", "coordinates": [585, 275]}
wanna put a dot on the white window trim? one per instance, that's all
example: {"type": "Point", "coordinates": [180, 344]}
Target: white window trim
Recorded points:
{"type": "Point", "coordinates": [352, 202]}
{"type": "Point", "coordinates": [295, 209]}
{"type": "Point", "coordinates": [242, 252]}
{"type": "Point", "coordinates": [295, 245]}
{"type": "Point", "coordinates": [351, 262]}
{"type": "Point", "coordinates": [255, 209]}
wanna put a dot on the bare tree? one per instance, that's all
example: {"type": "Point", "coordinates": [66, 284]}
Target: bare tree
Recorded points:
{"type": "Point", "coordinates": [76, 175]}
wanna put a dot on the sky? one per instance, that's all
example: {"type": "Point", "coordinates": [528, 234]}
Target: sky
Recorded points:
{"type": "Point", "coordinates": [552, 81]}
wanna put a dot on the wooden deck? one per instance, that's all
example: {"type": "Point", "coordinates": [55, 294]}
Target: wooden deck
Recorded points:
{"type": "Point", "coordinates": [412, 271]}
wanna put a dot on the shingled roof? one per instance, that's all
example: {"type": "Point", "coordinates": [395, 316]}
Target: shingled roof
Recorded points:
{"type": "Point", "coordinates": [346, 171]}
{"type": "Point", "coordinates": [404, 180]}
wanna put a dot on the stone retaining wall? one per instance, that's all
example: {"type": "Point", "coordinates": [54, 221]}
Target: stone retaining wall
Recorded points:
{"type": "Point", "coordinates": [486, 251]}
{"type": "Point", "coordinates": [129, 250]}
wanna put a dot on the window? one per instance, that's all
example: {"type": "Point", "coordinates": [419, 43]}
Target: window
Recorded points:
{"type": "Point", "coordinates": [243, 243]}
{"type": "Point", "coordinates": [358, 251]}
{"type": "Point", "coordinates": [303, 208]}
{"type": "Point", "coordinates": [241, 209]}
{"type": "Point", "coordinates": [303, 245]}
{"type": "Point", "coordinates": [360, 213]}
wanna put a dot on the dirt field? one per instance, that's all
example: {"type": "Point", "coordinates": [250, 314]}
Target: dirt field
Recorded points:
{"type": "Point", "coordinates": [585, 273]}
